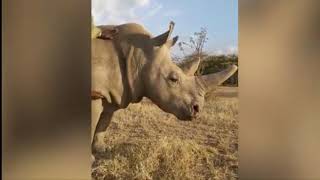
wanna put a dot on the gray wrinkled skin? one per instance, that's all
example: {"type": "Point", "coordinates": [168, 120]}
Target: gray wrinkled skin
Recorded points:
{"type": "Point", "coordinates": [135, 65]}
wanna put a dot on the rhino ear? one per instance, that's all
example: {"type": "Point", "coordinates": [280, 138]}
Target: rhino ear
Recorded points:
{"type": "Point", "coordinates": [172, 42]}
{"type": "Point", "coordinates": [190, 67]}
{"type": "Point", "coordinates": [163, 38]}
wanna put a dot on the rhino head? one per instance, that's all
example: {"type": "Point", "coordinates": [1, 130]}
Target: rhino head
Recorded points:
{"type": "Point", "coordinates": [175, 89]}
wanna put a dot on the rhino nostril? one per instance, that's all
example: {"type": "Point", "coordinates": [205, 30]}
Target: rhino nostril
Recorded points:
{"type": "Point", "coordinates": [196, 108]}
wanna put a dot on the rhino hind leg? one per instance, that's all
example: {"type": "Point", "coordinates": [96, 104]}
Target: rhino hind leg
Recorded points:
{"type": "Point", "coordinates": [100, 124]}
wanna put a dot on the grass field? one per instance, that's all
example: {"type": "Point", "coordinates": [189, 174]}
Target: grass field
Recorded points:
{"type": "Point", "coordinates": [144, 142]}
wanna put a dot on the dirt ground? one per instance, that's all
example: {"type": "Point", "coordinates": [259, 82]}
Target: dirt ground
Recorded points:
{"type": "Point", "coordinates": [143, 142]}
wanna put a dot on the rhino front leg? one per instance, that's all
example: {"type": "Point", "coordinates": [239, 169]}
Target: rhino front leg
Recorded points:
{"type": "Point", "coordinates": [96, 110]}
{"type": "Point", "coordinates": [100, 124]}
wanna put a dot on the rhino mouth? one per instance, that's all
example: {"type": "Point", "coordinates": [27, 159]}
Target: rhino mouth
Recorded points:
{"type": "Point", "coordinates": [183, 114]}
{"type": "Point", "coordinates": [186, 117]}
{"type": "Point", "coordinates": [189, 118]}
{"type": "Point", "coordinates": [186, 114]}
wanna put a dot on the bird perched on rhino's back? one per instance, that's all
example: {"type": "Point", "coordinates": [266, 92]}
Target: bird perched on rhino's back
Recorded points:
{"type": "Point", "coordinates": [106, 33]}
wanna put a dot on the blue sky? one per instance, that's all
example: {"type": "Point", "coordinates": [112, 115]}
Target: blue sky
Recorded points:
{"type": "Point", "coordinates": [220, 17]}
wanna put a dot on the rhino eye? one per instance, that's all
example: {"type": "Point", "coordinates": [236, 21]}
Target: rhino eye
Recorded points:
{"type": "Point", "coordinates": [173, 78]}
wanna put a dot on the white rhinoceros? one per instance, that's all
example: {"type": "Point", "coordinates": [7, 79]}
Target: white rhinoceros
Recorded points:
{"type": "Point", "coordinates": [134, 65]}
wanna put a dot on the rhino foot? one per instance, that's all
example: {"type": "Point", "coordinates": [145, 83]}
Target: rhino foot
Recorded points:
{"type": "Point", "coordinates": [99, 147]}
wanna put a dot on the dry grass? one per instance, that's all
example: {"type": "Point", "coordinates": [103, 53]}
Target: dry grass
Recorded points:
{"type": "Point", "coordinates": [146, 143]}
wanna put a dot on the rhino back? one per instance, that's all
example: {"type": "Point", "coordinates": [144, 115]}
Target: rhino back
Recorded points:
{"type": "Point", "coordinates": [107, 71]}
{"type": "Point", "coordinates": [109, 75]}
